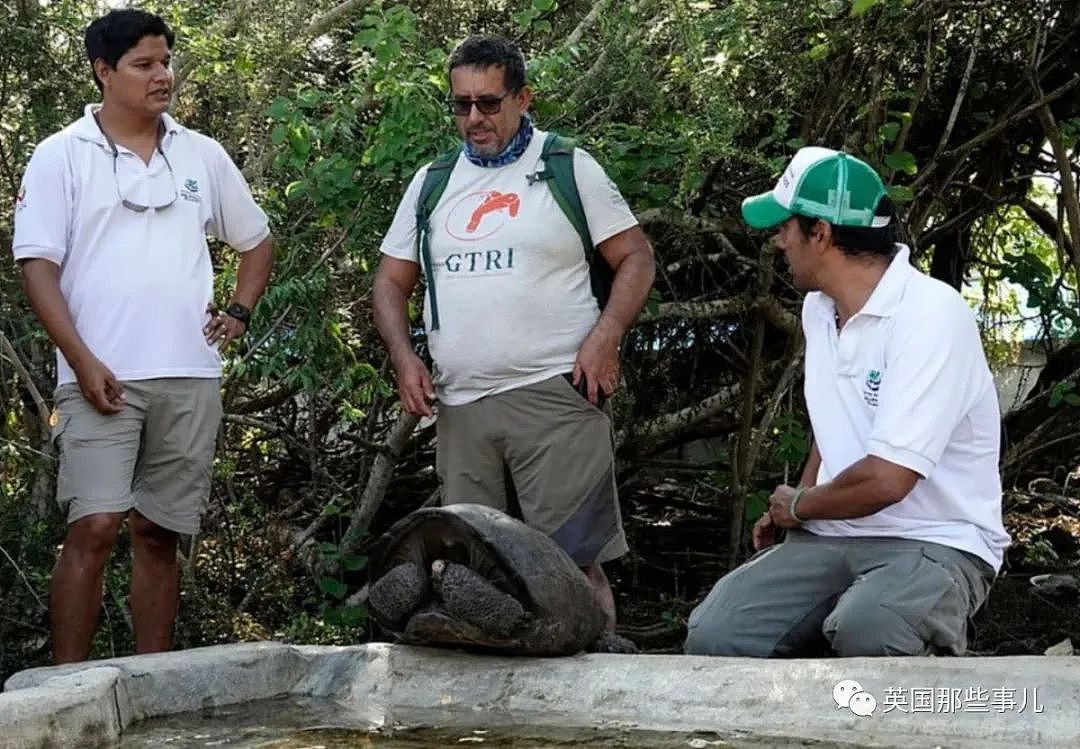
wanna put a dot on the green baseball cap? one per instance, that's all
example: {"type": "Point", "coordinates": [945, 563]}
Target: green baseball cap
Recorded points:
{"type": "Point", "coordinates": [822, 183]}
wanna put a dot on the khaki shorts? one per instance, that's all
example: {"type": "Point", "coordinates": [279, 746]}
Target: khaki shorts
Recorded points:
{"type": "Point", "coordinates": [557, 450]}
{"type": "Point", "coordinates": [155, 456]}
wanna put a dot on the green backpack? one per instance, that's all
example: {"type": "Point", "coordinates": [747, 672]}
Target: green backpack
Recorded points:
{"type": "Point", "coordinates": [558, 158]}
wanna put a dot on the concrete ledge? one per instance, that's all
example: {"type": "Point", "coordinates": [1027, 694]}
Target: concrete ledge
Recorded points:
{"type": "Point", "coordinates": [736, 697]}
{"type": "Point", "coordinates": [70, 710]}
{"type": "Point", "coordinates": [920, 702]}
{"type": "Point", "coordinates": [167, 683]}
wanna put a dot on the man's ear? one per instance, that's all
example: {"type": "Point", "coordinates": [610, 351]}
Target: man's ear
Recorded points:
{"type": "Point", "coordinates": [102, 70]}
{"type": "Point", "coordinates": [822, 232]}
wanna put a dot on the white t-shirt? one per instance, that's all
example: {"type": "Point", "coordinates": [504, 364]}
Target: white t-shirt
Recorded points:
{"type": "Point", "coordinates": [907, 380]}
{"type": "Point", "coordinates": [511, 281]}
{"type": "Point", "coordinates": [137, 284]}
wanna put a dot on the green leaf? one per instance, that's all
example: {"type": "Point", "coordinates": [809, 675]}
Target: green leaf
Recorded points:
{"type": "Point", "coordinates": [901, 194]}
{"type": "Point", "coordinates": [366, 38]}
{"type": "Point", "coordinates": [889, 131]}
{"type": "Point", "coordinates": [1072, 399]}
{"type": "Point", "coordinates": [820, 51]}
{"type": "Point", "coordinates": [859, 7]}
{"type": "Point", "coordinates": [278, 134]}
{"type": "Point", "coordinates": [280, 108]}
{"type": "Point", "coordinates": [355, 563]}
{"type": "Point", "coordinates": [902, 161]}
{"type": "Point", "coordinates": [652, 304]}
{"type": "Point", "coordinates": [296, 189]}
{"type": "Point", "coordinates": [525, 18]}
{"type": "Point", "coordinates": [1056, 396]}
{"type": "Point", "coordinates": [757, 503]}
{"type": "Point", "coordinates": [544, 5]}
{"type": "Point", "coordinates": [349, 616]}
{"type": "Point", "coordinates": [327, 548]}
{"type": "Point", "coordinates": [332, 587]}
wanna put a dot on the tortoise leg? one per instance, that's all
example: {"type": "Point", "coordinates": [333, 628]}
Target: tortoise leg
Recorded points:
{"type": "Point", "coordinates": [609, 642]}
{"type": "Point", "coordinates": [471, 597]}
{"type": "Point", "coordinates": [399, 592]}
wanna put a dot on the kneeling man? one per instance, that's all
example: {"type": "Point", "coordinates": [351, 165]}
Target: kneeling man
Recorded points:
{"type": "Point", "coordinates": [894, 534]}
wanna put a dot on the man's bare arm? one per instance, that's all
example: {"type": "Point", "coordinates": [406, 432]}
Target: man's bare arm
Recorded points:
{"type": "Point", "coordinates": [394, 283]}
{"type": "Point", "coordinates": [41, 281]}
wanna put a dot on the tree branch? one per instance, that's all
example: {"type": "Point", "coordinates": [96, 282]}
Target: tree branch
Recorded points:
{"type": "Point", "coordinates": [1067, 194]}
{"type": "Point", "coordinates": [964, 82]}
{"type": "Point", "coordinates": [669, 424]}
{"type": "Point", "coordinates": [697, 310]}
{"type": "Point", "coordinates": [326, 21]}
{"type": "Point", "coordinates": [379, 480]}
{"type": "Point", "coordinates": [996, 129]}
{"type": "Point", "coordinates": [39, 403]}
{"type": "Point", "coordinates": [1045, 220]}
{"type": "Point", "coordinates": [586, 23]}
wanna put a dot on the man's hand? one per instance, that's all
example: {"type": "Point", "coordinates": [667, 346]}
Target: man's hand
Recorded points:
{"type": "Point", "coordinates": [100, 386]}
{"type": "Point", "coordinates": [764, 532]}
{"type": "Point", "coordinates": [598, 360]}
{"type": "Point", "coordinates": [222, 327]}
{"type": "Point", "coordinates": [414, 384]}
{"type": "Point", "coordinates": [779, 503]}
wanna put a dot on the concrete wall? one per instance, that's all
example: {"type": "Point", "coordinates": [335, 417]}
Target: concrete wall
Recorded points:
{"type": "Point", "coordinates": [378, 685]}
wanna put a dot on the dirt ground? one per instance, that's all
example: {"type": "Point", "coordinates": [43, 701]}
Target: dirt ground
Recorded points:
{"type": "Point", "coordinates": [679, 550]}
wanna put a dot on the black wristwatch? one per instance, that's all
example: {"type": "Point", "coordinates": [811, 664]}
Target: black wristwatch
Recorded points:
{"type": "Point", "coordinates": [240, 312]}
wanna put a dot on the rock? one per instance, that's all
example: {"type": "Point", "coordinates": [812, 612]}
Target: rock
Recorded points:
{"type": "Point", "coordinates": [1056, 584]}
{"type": "Point", "coordinates": [1065, 647]}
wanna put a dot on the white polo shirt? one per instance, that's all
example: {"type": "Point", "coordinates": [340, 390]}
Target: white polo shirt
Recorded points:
{"type": "Point", "coordinates": [137, 284]}
{"type": "Point", "coordinates": [907, 380]}
{"type": "Point", "coordinates": [511, 281]}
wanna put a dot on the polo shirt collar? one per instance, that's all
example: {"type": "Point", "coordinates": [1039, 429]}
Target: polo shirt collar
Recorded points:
{"type": "Point", "coordinates": [86, 128]}
{"type": "Point", "coordinates": [886, 295]}
{"type": "Point", "coordinates": [890, 289]}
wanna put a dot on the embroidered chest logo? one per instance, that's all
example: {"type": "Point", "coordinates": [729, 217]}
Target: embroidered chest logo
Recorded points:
{"type": "Point", "coordinates": [870, 389]}
{"type": "Point", "coordinates": [190, 190]}
{"type": "Point", "coordinates": [480, 214]}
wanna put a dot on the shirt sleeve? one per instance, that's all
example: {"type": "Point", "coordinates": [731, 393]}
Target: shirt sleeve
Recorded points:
{"type": "Point", "coordinates": [237, 219]}
{"type": "Point", "coordinates": [605, 208]}
{"type": "Point", "coordinates": [400, 239]}
{"type": "Point", "coordinates": [43, 206]}
{"type": "Point", "coordinates": [934, 373]}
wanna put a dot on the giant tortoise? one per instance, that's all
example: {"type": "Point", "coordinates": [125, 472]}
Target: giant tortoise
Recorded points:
{"type": "Point", "coordinates": [470, 576]}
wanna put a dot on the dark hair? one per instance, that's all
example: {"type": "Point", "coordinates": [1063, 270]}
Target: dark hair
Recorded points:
{"type": "Point", "coordinates": [111, 36]}
{"type": "Point", "coordinates": [483, 51]}
{"type": "Point", "coordinates": [862, 240]}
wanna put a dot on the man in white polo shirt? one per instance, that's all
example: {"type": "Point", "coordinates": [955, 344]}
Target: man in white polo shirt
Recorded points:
{"type": "Point", "coordinates": [110, 232]}
{"type": "Point", "coordinates": [894, 534]}
{"type": "Point", "coordinates": [524, 355]}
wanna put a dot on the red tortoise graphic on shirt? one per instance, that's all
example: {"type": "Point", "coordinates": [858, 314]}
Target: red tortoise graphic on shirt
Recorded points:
{"type": "Point", "coordinates": [495, 201]}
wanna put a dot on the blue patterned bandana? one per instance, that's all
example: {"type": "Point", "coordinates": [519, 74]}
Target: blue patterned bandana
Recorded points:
{"type": "Point", "coordinates": [511, 153]}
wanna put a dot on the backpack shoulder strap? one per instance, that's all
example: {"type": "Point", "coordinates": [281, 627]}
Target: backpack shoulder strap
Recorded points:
{"type": "Point", "coordinates": [435, 182]}
{"type": "Point", "coordinates": [558, 157]}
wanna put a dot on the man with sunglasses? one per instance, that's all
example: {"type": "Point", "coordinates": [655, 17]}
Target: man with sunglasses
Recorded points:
{"type": "Point", "coordinates": [110, 232]}
{"type": "Point", "coordinates": [523, 354]}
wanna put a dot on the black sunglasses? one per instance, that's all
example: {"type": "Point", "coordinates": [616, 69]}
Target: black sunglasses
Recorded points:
{"type": "Point", "coordinates": [486, 104]}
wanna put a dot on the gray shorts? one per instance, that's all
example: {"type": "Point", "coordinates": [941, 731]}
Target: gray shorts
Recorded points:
{"type": "Point", "coordinates": [155, 456]}
{"type": "Point", "coordinates": [557, 449]}
{"type": "Point", "coordinates": [853, 596]}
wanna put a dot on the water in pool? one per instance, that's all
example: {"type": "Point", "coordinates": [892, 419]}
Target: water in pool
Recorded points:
{"type": "Point", "coordinates": [299, 723]}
